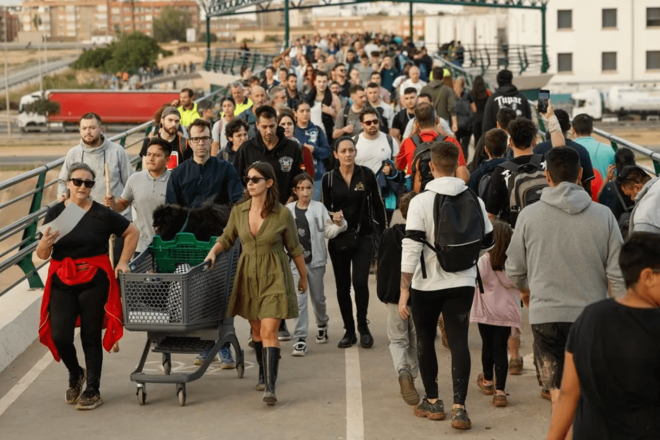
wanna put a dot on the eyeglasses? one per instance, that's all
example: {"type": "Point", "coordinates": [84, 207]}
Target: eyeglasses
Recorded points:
{"type": "Point", "coordinates": [370, 123]}
{"type": "Point", "coordinates": [253, 179]}
{"type": "Point", "coordinates": [87, 183]}
{"type": "Point", "coordinates": [197, 140]}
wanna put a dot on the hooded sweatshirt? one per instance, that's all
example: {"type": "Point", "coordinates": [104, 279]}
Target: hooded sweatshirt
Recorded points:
{"type": "Point", "coordinates": [565, 248]}
{"type": "Point", "coordinates": [646, 215]}
{"type": "Point", "coordinates": [109, 152]}
{"type": "Point", "coordinates": [506, 96]}
{"type": "Point", "coordinates": [444, 98]}
{"type": "Point", "coordinates": [420, 219]}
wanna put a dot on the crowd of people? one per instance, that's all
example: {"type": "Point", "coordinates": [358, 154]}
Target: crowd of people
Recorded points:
{"type": "Point", "coordinates": [312, 151]}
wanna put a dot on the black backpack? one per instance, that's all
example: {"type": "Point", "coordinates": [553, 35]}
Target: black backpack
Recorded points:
{"type": "Point", "coordinates": [524, 184]}
{"type": "Point", "coordinates": [464, 114]}
{"type": "Point", "coordinates": [421, 170]}
{"type": "Point", "coordinates": [483, 184]}
{"type": "Point", "coordinates": [458, 232]}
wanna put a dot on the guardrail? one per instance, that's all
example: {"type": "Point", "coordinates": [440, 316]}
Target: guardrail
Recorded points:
{"type": "Point", "coordinates": [520, 58]}
{"type": "Point", "coordinates": [21, 253]}
{"type": "Point", "coordinates": [457, 70]}
{"type": "Point", "coordinates": [231, 61]}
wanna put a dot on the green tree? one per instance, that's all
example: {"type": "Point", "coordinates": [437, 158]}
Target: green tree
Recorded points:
{"type": "Point", "coordinates": [202, 37]}
{"type": "Point", "coordinates": [43, 106]}
{"type": "Point", "coordinates": [172, 24]}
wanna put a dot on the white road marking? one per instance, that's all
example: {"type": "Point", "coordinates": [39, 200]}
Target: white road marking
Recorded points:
{"type": "Point", "coordinates": [354, 414]}
{"type": "Point", "coordinates": [25, 382]}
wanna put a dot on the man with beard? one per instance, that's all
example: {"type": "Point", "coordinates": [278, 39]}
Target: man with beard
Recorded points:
{"type": "Point", "coordinates": [324, 105]}
{"type": "Point", "coordinates": [187, 107]}
{"type": "Point", "coordinates": [293, 96]}
{"type": "Point", "coordinates": [169, 132]}
{"type": "Point", "coordinates": [341, 78]}
{"type": "Point", "coordinates": [96, 151]}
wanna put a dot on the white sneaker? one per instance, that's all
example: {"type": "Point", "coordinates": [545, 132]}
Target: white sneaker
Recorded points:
{"type": "Point", "coordinates": [322, 335]}
{"type": "Point", "coordinates": [300, 348]}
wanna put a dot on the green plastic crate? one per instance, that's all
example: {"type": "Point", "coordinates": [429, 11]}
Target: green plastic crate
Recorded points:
{"type": "Point", "coordinates": [183, 249]}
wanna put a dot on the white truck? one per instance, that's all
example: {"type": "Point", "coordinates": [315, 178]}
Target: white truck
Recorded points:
{"type": "Point", "coordinates": [619, 101]}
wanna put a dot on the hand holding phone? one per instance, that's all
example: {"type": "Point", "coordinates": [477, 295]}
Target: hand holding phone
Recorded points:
{"type": "Point", "coordinates": [544, 96]}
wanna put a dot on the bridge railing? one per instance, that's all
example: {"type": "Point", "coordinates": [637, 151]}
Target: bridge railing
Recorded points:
{"type": "Point", "coordinates": [20, 253]}
{"type": "Point", "coordinates": [517, 58]}
{"type": "Point", "coordinates": [231, 61]}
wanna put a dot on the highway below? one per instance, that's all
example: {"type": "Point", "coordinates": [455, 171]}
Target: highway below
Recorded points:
{"type": "Point", "coordinates": [32, 72]}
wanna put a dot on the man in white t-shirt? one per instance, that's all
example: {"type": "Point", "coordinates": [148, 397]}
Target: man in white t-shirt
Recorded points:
{"type": "Point", "coordinates": [386, 112]}
{"type": "Point", "coordinates": [413, 80]}
{"type": "Point", "coordinates": [373, 146]}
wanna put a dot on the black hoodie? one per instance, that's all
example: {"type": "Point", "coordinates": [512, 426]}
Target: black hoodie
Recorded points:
{"type": "Point", "coordinates": [328, 121]}
{"type": "Point", "coordinates": [506, 96]}
{"type": "Point", "coordinates": [286, 158]}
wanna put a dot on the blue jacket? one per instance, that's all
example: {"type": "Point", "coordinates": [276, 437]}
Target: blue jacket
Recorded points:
{"type": "Point", "coordinates": [485, 168]}
{"type": "Point", "coordinates": [313, 135]}
{"type": "Point", "coordinates": [192, 184]}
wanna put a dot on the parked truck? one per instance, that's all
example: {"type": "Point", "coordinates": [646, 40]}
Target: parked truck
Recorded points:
{"type": "Point", "coordinates": [618, 101]}
{"type": "Point", "coordinates": [113, 106]}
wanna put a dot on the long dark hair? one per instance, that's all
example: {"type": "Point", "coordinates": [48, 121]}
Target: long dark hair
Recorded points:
{"type": "Point", "coordinates": [300, 178]}
{"type": "Point", "coordinates": [272, 194]}
{"type": "Point", "coordinates": [479, 88]}
{"type": "Point", "coordinates": [502, 233]}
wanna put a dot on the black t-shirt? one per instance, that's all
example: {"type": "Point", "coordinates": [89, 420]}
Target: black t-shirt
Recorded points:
{"type": "Point", "coordinates": [585, 160]}
{"type": "Point", "coordinates": [90, 236]}
{"type": "Point", "coordinates": [401, 119]}
{"type": "Point", "coordinates": [177, 144]}
{"type": "Point", "coordinates": [304, 234]}
{"type": "Point", "coordinates": [496, 196]}
{"type": "Point", "coordinates": [617, 357]}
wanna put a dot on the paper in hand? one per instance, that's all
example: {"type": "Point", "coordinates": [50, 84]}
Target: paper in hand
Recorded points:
{"type": "Point", "coordinates": [66, 221]}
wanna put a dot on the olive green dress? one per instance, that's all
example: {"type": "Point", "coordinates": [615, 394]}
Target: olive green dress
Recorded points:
{"type": "Point", "coordinates": [263, 287]}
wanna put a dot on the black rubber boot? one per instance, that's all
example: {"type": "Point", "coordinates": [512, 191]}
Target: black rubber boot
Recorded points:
{"type": "Point", "coordinates": [271, 356]}
{"type": "Point", "coordinates": [258, 350]}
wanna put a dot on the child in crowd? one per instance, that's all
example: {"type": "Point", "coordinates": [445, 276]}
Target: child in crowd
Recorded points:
{"type": "Point", "coordinates": [402, 335]}
{"type": "Point", "coordinates": [497, 313]}
{"type": "Point", "coordinates": [313, 223]}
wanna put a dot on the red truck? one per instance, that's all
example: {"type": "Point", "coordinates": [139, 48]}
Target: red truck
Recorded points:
{"type": "Point", "coordinates": [113, 106]}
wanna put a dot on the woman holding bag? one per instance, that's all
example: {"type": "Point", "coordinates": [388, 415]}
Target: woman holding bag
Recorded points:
{"type": "Point", "coordinates": [351, 192]}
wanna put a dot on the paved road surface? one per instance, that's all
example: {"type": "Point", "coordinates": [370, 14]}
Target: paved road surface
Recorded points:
{"type": "Point", "coordinates": [32, 72]}
{"type": "Point", "coordinates": [329, 394]}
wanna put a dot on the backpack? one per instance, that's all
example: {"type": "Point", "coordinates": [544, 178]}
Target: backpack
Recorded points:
{"type": "Point", "coordinates": [464, 114]}
{"type": "Point", "coordinates": [459, 231]}
{"type": "Point", "coordinates": [483, 184]}
{"type": "Point", "coordinates": [525, 184]}
{"type": "Point", "coordinates": [421, 170]}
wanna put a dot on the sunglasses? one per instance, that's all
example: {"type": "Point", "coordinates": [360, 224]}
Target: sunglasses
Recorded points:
{"type": "Point", "coordinates": [253, 179]}
{"type": "Point", "coordinates": [371, 122]}
{"type": "Point", "coordinates": [87, 183]}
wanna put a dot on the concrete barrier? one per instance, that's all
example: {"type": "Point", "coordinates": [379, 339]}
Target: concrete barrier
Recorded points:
{"type": "Point", "coordinates": [19, 320]}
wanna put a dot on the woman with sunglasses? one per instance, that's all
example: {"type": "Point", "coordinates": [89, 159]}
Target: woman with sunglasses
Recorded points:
{"type": "Point", "coordinates": [264, 291]}
{"type": "Point", "coordinates": [81, 288]}
{"type": "Point", "coordinates": [351, 191]}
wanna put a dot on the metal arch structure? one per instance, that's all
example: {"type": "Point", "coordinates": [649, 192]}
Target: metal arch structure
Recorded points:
{"type": "Point", "coordinates": [219, 8]}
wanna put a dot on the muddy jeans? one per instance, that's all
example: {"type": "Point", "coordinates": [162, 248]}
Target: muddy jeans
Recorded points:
{"type": "Point", "coordinates": [403, 340]}
{"type": "Point", "coordinates": [454, 304]}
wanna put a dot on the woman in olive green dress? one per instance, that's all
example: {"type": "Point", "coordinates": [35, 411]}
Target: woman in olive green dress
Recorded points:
{"type": "Point", "coordinates": [264, 293]}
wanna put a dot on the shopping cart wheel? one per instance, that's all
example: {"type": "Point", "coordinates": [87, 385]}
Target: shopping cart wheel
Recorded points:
{"type": "Point", "coordinates": [181, 393]}
{"type": "Point", "coordinates": [167, 363]}
{"type": "Point", "coordinates": [141, 394]}
{"type": "Point", "coordinates": [240, 369]}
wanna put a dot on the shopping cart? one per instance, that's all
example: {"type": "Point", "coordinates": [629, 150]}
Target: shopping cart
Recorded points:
{"type": "Point", "coordinates": [174, 296]}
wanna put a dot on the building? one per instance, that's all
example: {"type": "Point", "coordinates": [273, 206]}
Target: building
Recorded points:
{"type": "Point", "coordinates": [79, 20]}
{"type": "Point", "coordinates": [9, 24]}
{"type": "Point", "coordinates": [595, 45]}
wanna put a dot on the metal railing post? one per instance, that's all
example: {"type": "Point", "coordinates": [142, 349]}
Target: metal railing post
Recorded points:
{"type": "Point", "coordinates": [29, 235]}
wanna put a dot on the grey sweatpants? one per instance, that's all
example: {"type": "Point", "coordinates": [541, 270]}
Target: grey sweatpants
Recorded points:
{"type": "Point", "coordinates": [317, 294]}
{"type": "Point", "coordinates": [403, 340]}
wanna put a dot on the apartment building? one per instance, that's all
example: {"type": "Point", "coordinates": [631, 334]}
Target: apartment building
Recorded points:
{"type": "Point", "coordinates": [9, 24]}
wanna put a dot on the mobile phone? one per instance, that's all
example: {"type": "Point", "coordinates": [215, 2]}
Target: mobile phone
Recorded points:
{"type": "Point", "coordinates": [544, 96]}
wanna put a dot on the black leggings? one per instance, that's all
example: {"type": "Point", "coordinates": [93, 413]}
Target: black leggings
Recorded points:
{"type": "Point", "coordinates": [87, 301]}
{"type": "Point", "coordinates": [454, 304]}
{"type": "Point", "coordinates": [495, 340]}
{"type": "Point", "coordinates": [360, 257]}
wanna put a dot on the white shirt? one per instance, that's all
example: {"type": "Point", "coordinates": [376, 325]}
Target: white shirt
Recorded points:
{"type": "Point", "coordinates": [317, 115]}
{"type": "Point", "coordinates": [408, 83]}
{"type": "Point", "coordinates": [220, 136]}
{"type": "Point", "coordinates": [372, 153]}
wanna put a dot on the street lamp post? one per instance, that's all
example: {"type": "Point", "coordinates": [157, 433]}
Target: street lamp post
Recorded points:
{"type": "Point", "coordinates": [7, 72]}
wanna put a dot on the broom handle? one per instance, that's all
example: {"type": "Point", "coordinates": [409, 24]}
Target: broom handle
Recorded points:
{"type": "Point", "coordinates": [111, 244]}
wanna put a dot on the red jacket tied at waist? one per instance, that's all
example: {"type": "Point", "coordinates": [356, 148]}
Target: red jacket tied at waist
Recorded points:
{"type": "Point", "coordinates": [67, 271]}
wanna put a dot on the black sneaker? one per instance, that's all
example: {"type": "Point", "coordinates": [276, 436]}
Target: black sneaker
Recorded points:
{"type": "Point", "coordinates": [407, 384]}
{"type": "Point", "coordinates": [348, 340]}
{"type": "Point", "coordinates": [322, 334]}
{"type": "Point", "coordinates": [75, 387]}
{"type": "Point", "coordinates": [300, 348]}
{"type": "Point", "coordinates": [89, 400]}
{"type": "Point", "coordinates": [432, 411]}
{"type": "Point", "coordinates": [460, 419]}
{"type": "Point", "coordinates": [283, 333]}
{"type": "Point", "coordinates": [366, 340]}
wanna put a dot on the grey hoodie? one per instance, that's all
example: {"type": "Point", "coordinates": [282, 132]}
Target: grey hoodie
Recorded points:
{"type": "Point", "coordinates": [646, 215]}
{"type": "Point", "coordinates": [110, 153]}
{"type": "Point", "coordinates": [565, 248]}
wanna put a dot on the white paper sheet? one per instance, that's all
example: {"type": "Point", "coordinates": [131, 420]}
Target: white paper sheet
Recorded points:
{"type": "Point", "coordinates": [66, 221]}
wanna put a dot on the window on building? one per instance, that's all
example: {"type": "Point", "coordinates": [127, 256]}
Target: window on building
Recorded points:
{"type": "Point", "coordinates": [115, 10]}
{"type": "Point", "coordinates": [609, 61]}
{"type": "Point", "coordinates": [345, 24]}
{"type": "Point", "coordinates": [652, 17]}
{"type": "Point", "coordinates": [564, 62]}
{"type": "Point", "coordinates": [609, 18]}
{"type": "Point", "coordinates": [565, 19]}
{"type": "Point", "coordinates": [653, 60]}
